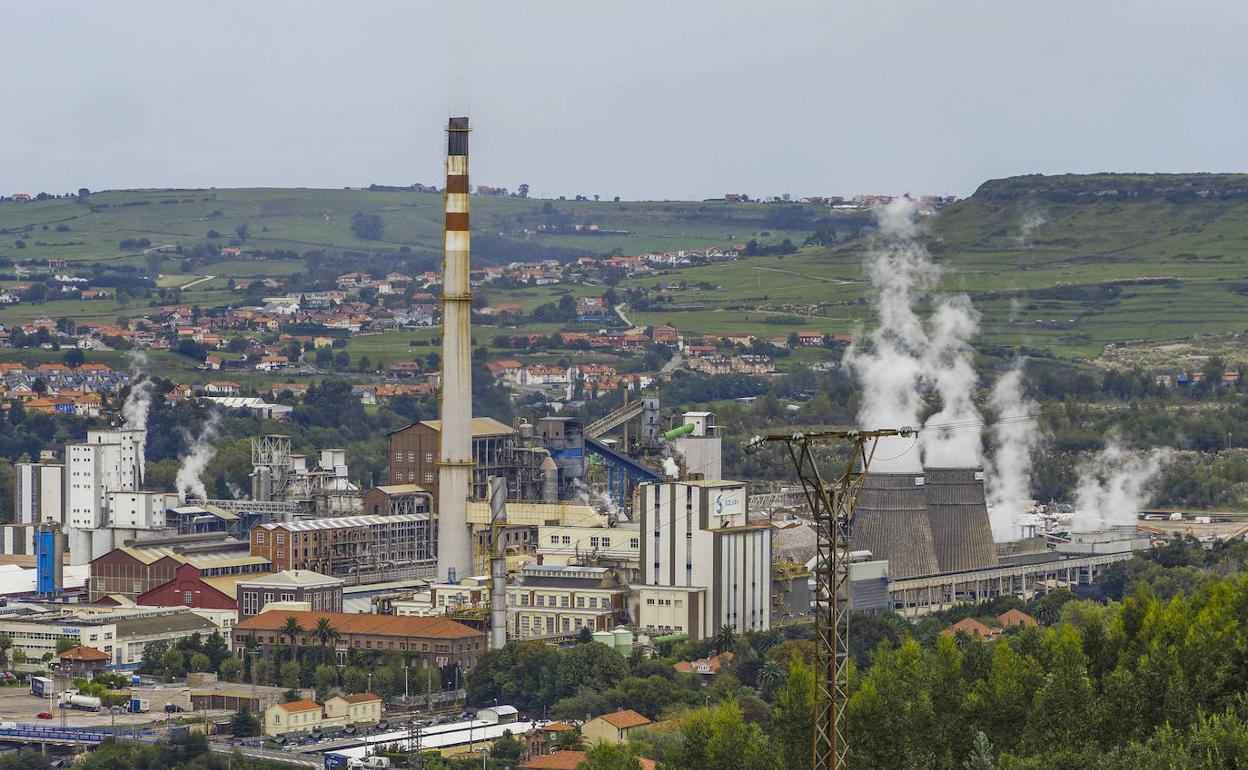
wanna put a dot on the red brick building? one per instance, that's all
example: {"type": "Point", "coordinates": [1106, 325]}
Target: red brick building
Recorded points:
{"type": "Point", "coordinates": [189, 588]}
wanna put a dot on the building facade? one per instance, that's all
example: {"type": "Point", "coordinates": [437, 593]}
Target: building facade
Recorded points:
{"type": "Point", "coordinates": [697, 535]}
{"type": "Point", "coordinates": [350, 545]}
{"type": "Point", "coordinates": [431, 641]}
{"type": "Point", "coordinates": [413, 455]}
{"type": "Point", "coordinates": [322, 593]}
{"type": "Point", "coordinates": [551, 601]}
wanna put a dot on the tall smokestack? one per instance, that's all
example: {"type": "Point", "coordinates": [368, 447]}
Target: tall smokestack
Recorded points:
{"type": "Point", "coordinates": [455, 451]}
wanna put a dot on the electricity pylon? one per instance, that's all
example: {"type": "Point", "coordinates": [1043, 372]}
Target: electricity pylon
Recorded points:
{"type": "Point", "coordinates": [832, 508]}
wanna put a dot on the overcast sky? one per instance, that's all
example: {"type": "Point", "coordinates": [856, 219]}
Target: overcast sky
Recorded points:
{"type": "Point", "coordinates": [672, 99]}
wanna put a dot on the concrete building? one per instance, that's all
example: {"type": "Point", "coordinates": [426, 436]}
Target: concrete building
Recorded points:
{"type": "Point", "coordinates": [552, 601]}
{"type": "Point", "coordinates": [701, 447]}
{"type": "Point", "coordinates": [322, 593]}
{"type": "Point", "coordinates": [110, 460]}
{"type": "Point", "coordinates": [397, 499]}
{"type": "Point", "coordinates": [431, 641]}
{"type": "Point", "coordinates": [38, 497]}
{"type": "Point", "coordinates": [614, 727]}
{"type": "Point", "coordinates": [360, 709]}
{"type": "Point", "coordinates": [699, 547]}
{"type": "Point", "coordinates": [301, 716]}
{"type": "Point", "coordinates": [120, 633]}
{"type": "Point", "coordinates": [363, 548]}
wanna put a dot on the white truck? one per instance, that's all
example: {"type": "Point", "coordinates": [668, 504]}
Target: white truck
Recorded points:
{"type": "Point", "coordinates": [81, 702]}
{"type": "Point", "coordinates": [369, 763]}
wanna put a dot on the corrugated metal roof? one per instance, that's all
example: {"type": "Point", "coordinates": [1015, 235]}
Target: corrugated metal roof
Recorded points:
{"type": "Point", "coordinates": [344, 521]}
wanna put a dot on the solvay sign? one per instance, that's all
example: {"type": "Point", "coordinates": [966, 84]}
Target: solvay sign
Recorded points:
{"type": "Point", "coordinates": [728, 502]}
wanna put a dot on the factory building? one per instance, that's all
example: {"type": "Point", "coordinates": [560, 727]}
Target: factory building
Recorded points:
{"type": "Point", "coordinates": [699, 547]}
{"type": "Point", "coordinates": [414, 454]}
{"type": "Point", "coordinates": [362, 547]}
{"type": "Point", "coordinates": [108, 462]}
{"type": "Point", "coordinates": [557, 601]}
{"type": "Point", "coordinates": [119, 633]}
{"type": "Point", "coordinates": [138, 567]}
{"type": "Point", "coordinates": [322, 593]}
{"type": "Point", "coordinates": [38, 498]}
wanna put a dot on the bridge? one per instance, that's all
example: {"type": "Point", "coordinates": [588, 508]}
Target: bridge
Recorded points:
{"type": "Point", "coordinates": [60, 736]}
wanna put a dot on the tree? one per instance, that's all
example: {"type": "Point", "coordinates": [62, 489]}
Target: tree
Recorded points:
{"type": "Point", "coordinates": [64, 643]}
{"type": "Point", "coordinates": [568, 740]}
{"type": "Point", "coordinates": [229, 669]}
{"type": "Point", "coordinates": [291, 630]}
{"type": "Point", "coordinates": [980, 757]}
{"type": "Point", "coordinates": [290, 674]}
{"type": "Point", "coordinates": [244, 724]}
{"type": "Point", "coordinates": [610, 756]}
{"type": "Point", "coordinates": [718, 738]}
{"type": "Point", "coordinates": [74, 357]}
{"type": "Point", "coordinates": [172, 663]}
{"type": "Point", "coordinates": [200, 662]}
{"type": "Point", "coordinates": [325, 635]}
{"type": "Point", "coordinates": [368, 227]}
{"type": "Point", "coordinates": [507, 749]}
{"type": "Point", "coordinates": [725, 638]}
{"type": "Point", "coordinates": [523, 190]}
{"type": "Point", "coordinates": [792, 729]}
{"type": "Point", "coordinates": [216, 649]}
{"type": "Point", "coordinates": [325, 679]}
{"type": "Point", "coordinates": [595, 666]}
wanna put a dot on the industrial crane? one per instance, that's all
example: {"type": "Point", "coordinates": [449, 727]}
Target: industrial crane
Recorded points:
{"type": "Point", "coordinates": [832, 508]}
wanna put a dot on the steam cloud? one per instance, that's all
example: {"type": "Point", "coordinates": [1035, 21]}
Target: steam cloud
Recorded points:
{"type": "Point", "coordinates": [139, 402]}
{"type": "Point", "coordinates": [196, 460]}
{"type": "Point", "coordinates": [903, 358]}
{"type": "Point", "coordinates": [1115, 485]}
{"type": "Point", "coordinates": [1033, 220]}
{"type": "Point", "coordinates": [670, 468]}
{"type": "Point", "coordinates": [1016, 435]}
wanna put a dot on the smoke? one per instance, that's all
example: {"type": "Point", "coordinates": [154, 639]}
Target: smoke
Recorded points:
{"type": "Point", "coordinates": [1032, 220]}
{"type": "Point", "coordinates": [1015, 435]}
{"type": "Point", "coordinates": [1115, 485]}
{"type": "Point", "coordinates": [670, 468]}
{"type": "Point", "coordinates": [951, 437]}
{"type": "Point", "coordinates": [139, 402]}
{"type": "Point", "coordinates": [903, 358]}
{"type": "Point", "coordinates": [197, 458]}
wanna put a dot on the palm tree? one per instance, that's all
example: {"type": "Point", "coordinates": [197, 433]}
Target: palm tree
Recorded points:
{"type": "Point", "coordinates": [291, 630]}
{"type": "Point", "coordinates": [770, 674]}
{"type": "Point", "coordinates": [325, 635]}
{"type": "Point", "coordinates": [725, 639]}
{"type": "Point", "coordinates": [568, 740]}
{"type": "Point", "coordinates": [961, 639]}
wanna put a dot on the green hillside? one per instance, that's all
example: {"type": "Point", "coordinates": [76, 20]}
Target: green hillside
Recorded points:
{"type": "Point", "coordinates": [1108, 258]}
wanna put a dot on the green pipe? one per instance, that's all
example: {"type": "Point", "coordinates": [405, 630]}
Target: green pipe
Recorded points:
{"type": "Point", "coordinates": [683, 430]}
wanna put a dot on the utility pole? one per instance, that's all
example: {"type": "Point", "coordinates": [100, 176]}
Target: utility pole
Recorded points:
{"type": "Point", "coordinates": [832, 506]}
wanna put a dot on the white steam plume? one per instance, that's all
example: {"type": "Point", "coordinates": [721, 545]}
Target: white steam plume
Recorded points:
{"type": "Point", "coordinates": [1015, 435]}
{"type": "Point", "coordinates": [139, 402]}
{"type": "Point", "coordinates": [196, 460]}
{"type": "Point", "coordinates": [890, 367]}
{"type": "Point", "coordinates": [1115, 485]}
{"type": "Point", "coordinates": [670, 468]}
{"type": "Point", "coordinates": [1033, 220]}
{"type": "Point", "coordinates": [951, 437]}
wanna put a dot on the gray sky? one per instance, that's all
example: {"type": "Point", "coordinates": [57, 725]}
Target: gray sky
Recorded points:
{"type": "Point", "coordinates": [674, 99]}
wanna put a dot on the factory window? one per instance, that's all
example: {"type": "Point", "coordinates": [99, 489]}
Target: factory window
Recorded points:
{"type": "Point", "coordinates": [428, 457]}
{"type": "Point", "coordinates": [580, 601]}
{"type": "Point", "coordinates": [563, 601]}
{"type": "Point", "coordinates": [649, 602]}
{"type": "Point", "coordinates": [398, 457]}
{"type": "Point", "coordinates": [541, 600]}
{"type": "Point", "coordinates": [428, 478]}
{"type": "Point", "coordinates": [634, 542]}
{"type": "Point", "coordinates": [259, 537]}
{"type": "Point", "coordinates": [606, 542]}
{"type": "Point", "coordinates": [567, 540]}
{"type": "Point", "coordinates": [593, 602]}
{"type": "Point", "coordinates": [411, 457]}
{"type": "Point", "coordinates": [281, 538]}
{"type": "Point", "coordinates": [567, 625]}
{"type": "Point", "coordinates": [280, 554]}
{"type": "Point", "coordinates": [554, 539]}
{"type": "Point", "coordinates": [187, 598]}
{"type": "Point", "coordinates": [593, 542]}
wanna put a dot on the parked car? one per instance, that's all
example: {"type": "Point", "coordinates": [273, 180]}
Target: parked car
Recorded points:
{"type": "Point", "coordinates": [44, 715]}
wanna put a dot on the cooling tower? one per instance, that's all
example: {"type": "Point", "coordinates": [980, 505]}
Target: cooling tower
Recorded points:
{"type": "Point", "coordinates": [455, 445]}
{"type": "Point", "coordinates": [892, 523]}
{"type": "Point", "coordinates": [958, 515]}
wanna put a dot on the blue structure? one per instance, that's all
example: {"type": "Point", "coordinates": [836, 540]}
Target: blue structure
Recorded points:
{"type": "Point", "coordinates": [623, 472]}
{"type": "Point", "coordinates": [49, 565]}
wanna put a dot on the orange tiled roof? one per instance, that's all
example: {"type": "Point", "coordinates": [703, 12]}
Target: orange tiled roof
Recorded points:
{"type": "Point", "coordinates": [624, 719]}
{"type": "Point", "coordinates": [301, 705]}
{"type": "Point", "coordinates": [363, 623]}
{"type": "Point", "coordinates": [83, 654]}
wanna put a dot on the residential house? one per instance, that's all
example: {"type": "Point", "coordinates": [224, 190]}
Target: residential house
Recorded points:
{"type": "Point", "coordinates": [614, 727]}
{"type": "Point", "coordinates": [973, 628]}
{"type": "Point", "coordinates": [1015, 618]}
{"type": "Point", "coordinates": [362, 708]}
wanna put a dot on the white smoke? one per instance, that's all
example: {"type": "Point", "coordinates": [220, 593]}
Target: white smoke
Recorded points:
{"type": "Point", "coordinates": [1033, 220]}
{"type": "Point", "coordinates": [1015, 435]}
{"type": "Point", "coordinates": [197, 458]}
{"type": "Point", "coordinates": [1115, 485]}
{"type": "Point", "coordinates": [951, 437]}
{"type": "Point", "coordinates": [139, 402]}
{"type": "Point", "coordinates": [670, 468]}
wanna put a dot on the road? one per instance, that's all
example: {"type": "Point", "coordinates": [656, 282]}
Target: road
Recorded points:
{"type": "Point", "coordinates": [186, 286]}
{"type": "Point", "coordinates": [672, 365]}
{"type": "Point", "coordinates": [619, 310]}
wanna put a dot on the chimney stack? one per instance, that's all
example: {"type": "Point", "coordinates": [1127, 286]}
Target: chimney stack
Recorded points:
{"type": "Point", "coordinates": [455, 446]}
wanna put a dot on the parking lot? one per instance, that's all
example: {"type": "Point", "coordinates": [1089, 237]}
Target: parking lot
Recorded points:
{"type": "Point", "coordinates": [18, 705]}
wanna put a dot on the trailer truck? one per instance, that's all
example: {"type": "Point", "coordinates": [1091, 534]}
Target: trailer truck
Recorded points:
{"type": "Point", "coordinates": [74, 700]}
{"type": "Point", "coordinates": [40, 686]}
